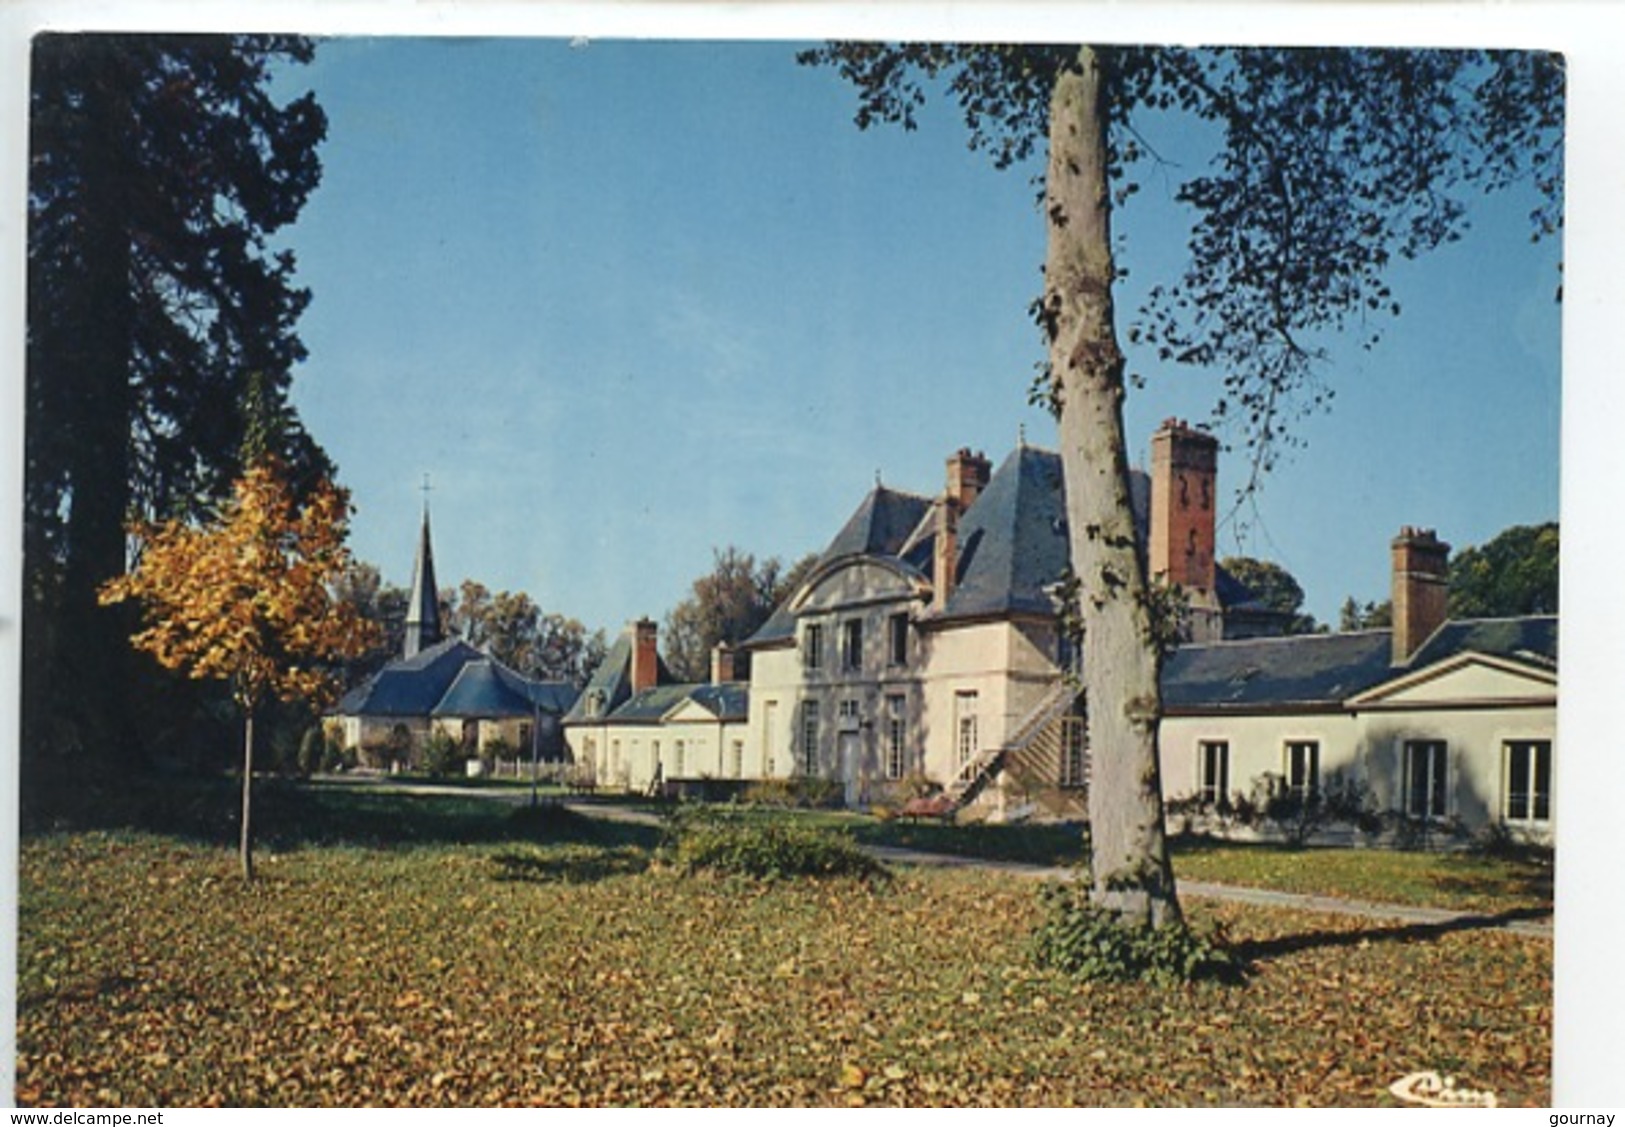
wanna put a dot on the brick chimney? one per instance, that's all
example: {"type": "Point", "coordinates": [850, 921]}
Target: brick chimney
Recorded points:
{"type": "Point", "coordinates": [967, 476]}
{"type": "Point", "coordinates": [645, 656]}
{"type": "Point", "coordinates": [945, 556]}
{"type": "Point", "coordinates": [1184, 472]}
{"type": "Point", "coordinates": [1421, 584]}
{"type": "Point", "coordinates": [724, 664]}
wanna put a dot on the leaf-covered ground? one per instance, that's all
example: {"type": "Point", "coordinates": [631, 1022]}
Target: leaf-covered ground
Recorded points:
{"type": "Point", "coordinates": [513, 973]}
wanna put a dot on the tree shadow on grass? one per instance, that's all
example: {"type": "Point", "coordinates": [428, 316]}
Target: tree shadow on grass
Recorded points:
{"type": "Point", "coordinates": [289, 814]}
{"type": "Point", "coordinates": [569, 864]}
{"type": "Point", "coordinates": [1252, 951]}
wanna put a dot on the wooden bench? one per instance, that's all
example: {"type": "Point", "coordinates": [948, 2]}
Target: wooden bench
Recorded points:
{"type": "Point", "coordinates": [935, 806]}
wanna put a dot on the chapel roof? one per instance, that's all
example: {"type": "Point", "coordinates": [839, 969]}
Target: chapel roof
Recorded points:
{"type": "Point", "coordinates": [410, 686]}
{"type": "Point", "coordinates": [487, 689]}
{"type": "Point", "coordinates": [453, 678]}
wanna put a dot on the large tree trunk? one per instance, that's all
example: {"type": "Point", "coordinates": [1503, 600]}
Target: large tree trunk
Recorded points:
{"type": "Point", "coordinates": [246, 846]}
{"type": "Point", "coordinates": [1131, 874]}
{"type": "Point", "coordinates": [93, 361]}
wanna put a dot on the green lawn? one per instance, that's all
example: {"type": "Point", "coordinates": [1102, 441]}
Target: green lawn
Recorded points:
{"type": "Point", "coordinates": [1459, 880]}
{"type": "Point", "coordinates": [532, 959]}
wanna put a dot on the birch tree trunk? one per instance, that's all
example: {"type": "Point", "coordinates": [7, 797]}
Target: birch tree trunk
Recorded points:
{"type": "Point", "coordinates": [1130, 870]}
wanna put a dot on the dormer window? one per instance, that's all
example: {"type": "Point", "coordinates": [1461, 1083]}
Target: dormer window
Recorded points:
{"type": "Point", "coordinates": [595, 704]}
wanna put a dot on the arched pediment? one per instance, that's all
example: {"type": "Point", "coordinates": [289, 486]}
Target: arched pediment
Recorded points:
{"type": "Point", "coordinates": [856, 581]}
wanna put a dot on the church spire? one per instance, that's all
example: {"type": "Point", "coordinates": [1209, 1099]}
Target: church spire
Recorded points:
{"type": "Point", "coordinates": [423, 603]}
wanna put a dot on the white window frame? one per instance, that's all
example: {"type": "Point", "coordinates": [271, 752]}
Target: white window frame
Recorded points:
{"type": "Point", "coordinates": [896, 735]}
{"type": "Point", "coordinates": [1531, 792]}
{"type": "Point", "coordinates": [1438, 777]}
{"type": "Point", "coordinates": [809, 738]}
{"type": "Point", "coordinates": [967, 736]}
{"type": "Point", "coordinates": [1312, 788]}
{"type": "Point", "coordinates": [812, 646]}
{"type": "Point", "coordinates": [847, 715]}
{"type": "Point", "coordinates": [1214, 786]}
{"type": "Point", "coordinates": [852, 645]}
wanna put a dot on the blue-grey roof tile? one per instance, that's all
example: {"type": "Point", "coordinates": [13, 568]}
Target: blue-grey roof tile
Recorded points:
{"type": "Point", "coordinates": [880, 526]}
{"type": "Point", "coordinates": [611, 683]}
{"type": "Point", "coordinates": [1532, 638]}
{"type": "Point", "coordinates": [487, 689]}
{"type": "Point", "coordinates": [1303, 670]}
{"type": "Point", "coordinates": [411, 686]}
{"type": "Point", "coordinates": [1327, 669]}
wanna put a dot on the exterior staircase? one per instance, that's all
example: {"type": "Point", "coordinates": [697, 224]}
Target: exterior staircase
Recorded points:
{"type": "Point", "coordinates": [981, 767]}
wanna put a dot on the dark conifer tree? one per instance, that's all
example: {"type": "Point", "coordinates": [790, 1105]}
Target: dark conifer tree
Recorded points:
{"type": "Point", "coordinates": [161, 168]}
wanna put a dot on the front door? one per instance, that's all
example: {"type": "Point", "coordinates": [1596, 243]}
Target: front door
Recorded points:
{"type": "Point", "coordinates": [849, 765]}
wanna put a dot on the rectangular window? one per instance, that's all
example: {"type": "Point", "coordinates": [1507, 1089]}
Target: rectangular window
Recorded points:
{"type": "Point", "coordinates": [680, 759]}
{"type": "Point", "coordinates": [809, 737]}
{"type": "Point", "coordinates": [655, 766]}
{"type": "Point", "coordinates": [847, 714]}
{"type": "Point", "coordinates": [1425, 762]}
{"type": "Point", "coordinates": [896, 733]}
{"type": "Point", "coordinates": [812, 646]}
{"type": "Point", "coordinates": [897, 640]}
{"type": "Point", "coordinates": [1529, 780]}
{"type": "Point", "coordinates": [1214, 767]}
{"type": "Point", "coordinates": [852, 645]}
{"type": "Point", "coordinates": [737, 751]}
{"type": "Point", "coordinates": [770, 728]}
{"type": "Point", "coordinates": [966, 740]}
{"type": "Point", "coordinates": [1303, 769]}
{"type": "Point", "coordinates": [1074, 744]}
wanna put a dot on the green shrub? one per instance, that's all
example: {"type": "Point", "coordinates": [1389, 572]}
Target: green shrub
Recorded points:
{"type": "Point", "coordinates": [496, 750]}
{"type": "Point", "coordinates": [442, 755]}
{"type": "Point", "coordinates": [765, 850]}
{"type": "Point", "coordinates": [1092, 943]}
{"type": "Point", "coordinates": [800, 792]}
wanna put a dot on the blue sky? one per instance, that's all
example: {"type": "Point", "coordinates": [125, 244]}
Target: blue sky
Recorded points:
{"type": "Point", "coordinates": [629, 301]}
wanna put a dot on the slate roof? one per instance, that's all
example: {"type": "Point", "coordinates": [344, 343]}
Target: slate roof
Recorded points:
{"type": "Point", "coordinates": [1324, 670]}
{"type": "Point", "coordinates": [726, 702]}
{"type": "Point", "coordinates": [612, 681]}
{"type": "Point", "coordinates": [411, 686]}
{"type": "Point", "coordinates": [881, 525]}
{"type": "Point", "coordinates": [730, 701]}
{"type": "Point", "coordinates": [1012, 540]}
{"type": "Point", "coordinates": [453, 678]}
{"type": "Point", "coordinates": [1532, 639]}
{"type": "Point", "coordinates": [487, 689]}
{"type": "Point", "coordinates": [1303, 670]}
